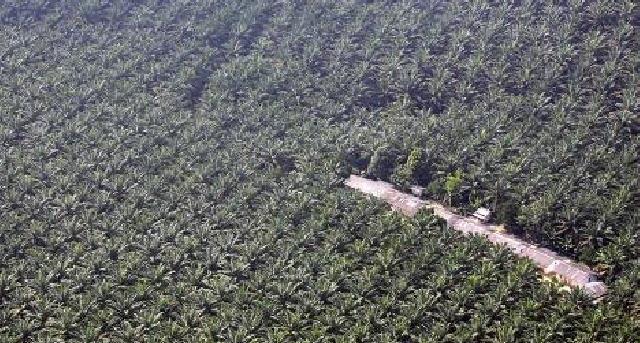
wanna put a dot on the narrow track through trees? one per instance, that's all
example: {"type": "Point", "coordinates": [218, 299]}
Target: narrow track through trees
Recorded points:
{"type": "Point", "coordinates": [573, 273]}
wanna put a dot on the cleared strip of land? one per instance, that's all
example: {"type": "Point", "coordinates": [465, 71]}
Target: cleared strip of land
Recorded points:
{"type": "Point", "coordinates": [573, 273]}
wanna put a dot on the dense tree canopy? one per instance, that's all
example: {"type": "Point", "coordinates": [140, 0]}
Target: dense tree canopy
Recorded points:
{"type": "Point", "coordinates": [172, 170]}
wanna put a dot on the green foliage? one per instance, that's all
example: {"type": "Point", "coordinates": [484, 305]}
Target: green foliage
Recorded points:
{"type": "Point", "coordinates": [452, 185]}
{"type": "Point", "coordinates": [170, 170]}
{"type": "Point", "coordinates": [383, 162]}
{"type": "Point", "coordinates": [453, 182]}
{"type": "Point", "coordinates": [415, 170]}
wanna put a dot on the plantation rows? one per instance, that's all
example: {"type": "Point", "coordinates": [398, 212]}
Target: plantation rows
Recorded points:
{"type": "Point", "coordinates": [171, 171]}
